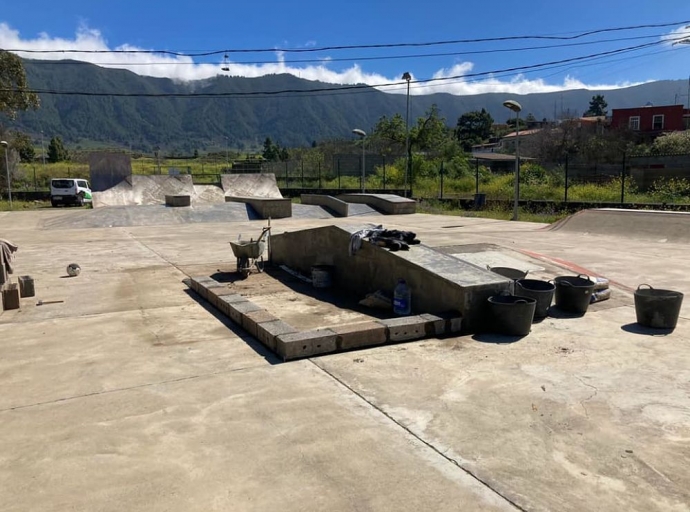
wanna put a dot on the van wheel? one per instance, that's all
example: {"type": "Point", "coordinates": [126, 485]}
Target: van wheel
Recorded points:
{"type": "Point", "coordinates": [80, 200]}
{"type": "Point", "coordinates": [53, 203]}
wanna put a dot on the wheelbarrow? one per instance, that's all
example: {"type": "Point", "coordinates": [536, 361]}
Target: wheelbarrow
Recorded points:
{"type": "Point", "coordinates": [250, 254]}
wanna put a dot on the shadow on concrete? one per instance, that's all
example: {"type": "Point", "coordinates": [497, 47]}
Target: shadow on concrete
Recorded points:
{"type": "Point", "coordinates": [335, 296]}
{"type": "Point", "coordinates": [555, 312]}
{"type": "Point", "coordinates": [254, 344]}
{"type": "Point", "coordinates": [635, 328]}
{"type": "Point", "coordinates": [498, 339]}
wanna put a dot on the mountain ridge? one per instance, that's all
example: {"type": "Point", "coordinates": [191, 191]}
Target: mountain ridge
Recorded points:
{"type": "Point", "coordinates": [185, 124]}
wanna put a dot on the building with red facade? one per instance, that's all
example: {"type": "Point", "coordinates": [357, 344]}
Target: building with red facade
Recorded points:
{"type": "Point", "coordinates": [652, 120]}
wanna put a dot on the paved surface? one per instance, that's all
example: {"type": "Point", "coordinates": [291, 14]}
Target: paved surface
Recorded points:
{"type": "Point", "coordinates": [251, 185]}
{"type": "Point", "coordinates": [132, 395]}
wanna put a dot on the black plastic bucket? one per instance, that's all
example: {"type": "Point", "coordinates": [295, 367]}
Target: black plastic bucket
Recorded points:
{"type": "Point", "coordinates": [511, 315]}
{"type": "Point", "coordinates": [541, 291]}
{"type": "Point", "coordinates": [573, 293]}
{"type": "Point", "coordinates": [657, 308]}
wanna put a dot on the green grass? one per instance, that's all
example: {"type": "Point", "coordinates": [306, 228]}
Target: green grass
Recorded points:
{"type": "Point", "coordinates": [442, 208]}
{"type": "Point", "coordinates": [18, 205]}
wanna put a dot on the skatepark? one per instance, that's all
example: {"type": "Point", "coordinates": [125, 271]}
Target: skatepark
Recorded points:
{"type": "Point", "coordinates": [132, 391]}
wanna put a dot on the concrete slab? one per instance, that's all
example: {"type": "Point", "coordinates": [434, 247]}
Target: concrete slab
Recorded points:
{"type": "Point", "coordinates": [130, 387]}
{"type": "Point", "coordinates": [387, 203]}
{"type": "Point", "coordinates": [482, 259]}
{"type": "Point", "coordinates": [250, 185]}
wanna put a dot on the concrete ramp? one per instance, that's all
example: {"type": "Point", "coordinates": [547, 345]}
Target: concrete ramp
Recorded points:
{"type": "Point", "coordinates": [251, 185]}
{"type": "Point", "coordinates": [649, 225]}
{"type": "Point", "coordinates": [152, 189]}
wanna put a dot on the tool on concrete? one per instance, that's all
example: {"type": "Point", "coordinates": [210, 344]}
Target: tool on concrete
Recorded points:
{"type": "Point", "coordinates": [45, 302]}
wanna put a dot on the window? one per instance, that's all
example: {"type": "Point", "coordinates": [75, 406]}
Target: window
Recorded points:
{"type": "Point", "coordinates": [686, 122]}
{"type": "Point", "coordinates": [634, 123]}
{"type": "Point", "coordinates": [658, 122]}
{"type": "Point", "coordinates": [63, 183]}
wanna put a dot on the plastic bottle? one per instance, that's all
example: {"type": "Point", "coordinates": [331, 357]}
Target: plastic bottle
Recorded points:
{"type": "Point", "coordinates": [402, 299]}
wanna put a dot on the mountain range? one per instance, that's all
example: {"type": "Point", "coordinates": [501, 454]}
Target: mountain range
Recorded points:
{"type": "Point", "coordinates": [294, 119]}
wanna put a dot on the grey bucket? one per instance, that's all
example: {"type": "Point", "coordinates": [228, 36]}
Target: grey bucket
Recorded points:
{"type": "Point", "coordinates": [511, 315]}
{"type": "Point", "coordinates": [573, 294]}
{"type": "Point", "coordinates": [657, 308]}
{"type": "Point", "coordinates": [541, 291]}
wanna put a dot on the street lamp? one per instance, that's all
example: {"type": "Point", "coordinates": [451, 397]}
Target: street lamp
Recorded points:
{"type": "Point", "coordinates": [407, 77]}
{"type": "Point", "coordinates": [363, 135]}
{"type": "Point", "coordinates": [7, 168]}
{"type": "Point", "coordinates": [515, 107]}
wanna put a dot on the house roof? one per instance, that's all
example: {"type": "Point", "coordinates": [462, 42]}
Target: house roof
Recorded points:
{"type": "Point", "coordinates": [497, 157]}
{"type": "Point", "coordinates": [523, 133]}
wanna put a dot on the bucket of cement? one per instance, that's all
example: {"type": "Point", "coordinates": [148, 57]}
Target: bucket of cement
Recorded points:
{"type": "Point", "coordinates": [573, 294]}
{"type": "Point", "coordinates": [321, 276]}
{"type": "Point", "coordinates": [511, 315]}
{"type": "Point", "coordinates": [541, 291]}
{"type": "Point", "coordinates": [657, 308]}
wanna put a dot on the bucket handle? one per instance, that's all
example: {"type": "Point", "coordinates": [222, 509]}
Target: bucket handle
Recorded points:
{"type": "Point", "coordinates": [520, 301]}
{"type": "Point", "coordinates": [488, 267]}
{"type": "Point", "coordinates": [584, 276]}
{"type": "Point", "coordinates": [564, 283]}
{"type": "Point", "coordinates": [645, 284]}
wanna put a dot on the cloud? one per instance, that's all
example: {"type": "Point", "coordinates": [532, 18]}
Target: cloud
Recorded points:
{"type": "Point", "coordinates": [677, 35]}
{"type": "Point", "coordinates": [182, 68]}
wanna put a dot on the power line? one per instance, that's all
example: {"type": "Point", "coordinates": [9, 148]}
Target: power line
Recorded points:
{"type": "Point", "coordinates": [353, 59]}
{"type": "Point", "coordinates": [349, 89]}
{"type": "Point", "coordinates": [362, 46]}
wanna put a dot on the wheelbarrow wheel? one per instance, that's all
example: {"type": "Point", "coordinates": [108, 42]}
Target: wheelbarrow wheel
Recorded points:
{"type": "Point", "coordinates": [243, 266]}
{"type": "Point", "coordinates": [259, 264]}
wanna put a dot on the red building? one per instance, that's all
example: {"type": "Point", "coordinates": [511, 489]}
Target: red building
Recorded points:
{"type": "Point", "coordinates": [652, 119]}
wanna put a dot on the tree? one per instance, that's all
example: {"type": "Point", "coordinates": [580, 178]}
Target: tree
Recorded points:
{"type": "Point", "coordinates": [57, 151]}
{"type": "Point", "coordinates": [271, 151]}
{"type": "Point", "coordinates": [473, 128]}
{"type": "Point", "coordinates": [14, 92]}
{"type": "Point", "coordinates": [511, 123]}
{"type": "Point", "coordinates": [672, 143]}
{"type": "Point", "coordinates": [22, 143]}
{"type": "Point", "coordinates": [389, 135]}
{"type": "Point", "coordinates": [597, 107]}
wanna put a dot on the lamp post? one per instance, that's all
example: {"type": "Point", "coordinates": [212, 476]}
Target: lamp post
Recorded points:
{"type": "Point", "coordinates": [407, 77]}
{"type": "Point", "coordinates": [363, 135]}
{"type": "Point", "coordinates": [7, 168]}
{"type": "Point", "coordinates": [516, 107]}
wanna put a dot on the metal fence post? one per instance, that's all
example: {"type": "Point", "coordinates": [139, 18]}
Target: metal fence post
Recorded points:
{"type": "Point", "coordinates": [287, 179]}
{"type": "Point", "coordinates": [384, 173]}
{"type": "Point", "coordinates": [302, 173]}
{"type": "Point", "coordinates": [35, 184]}
{"type": "Point", "coordinates": [565, 198]}
{"type": "Point", "coordinates": [339, 185]}
{"type": "Point", "coordinates": [623, 181]}
{"type": "Point", "coordinates": [441, 173]}
{"type": "Point", "coordinates": [476, 176]}
{"type": "Point", "coordinates": [319, 174]}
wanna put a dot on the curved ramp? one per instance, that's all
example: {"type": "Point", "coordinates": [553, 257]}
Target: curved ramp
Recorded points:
{"type": "Point", "coordinates": [637, 224]}
{"type": "Point", "coordinates": [152, 189]}
{"type": "Point", "coordinates": [251, 185]}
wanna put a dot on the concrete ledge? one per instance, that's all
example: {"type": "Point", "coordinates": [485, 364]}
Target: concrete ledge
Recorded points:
{"type": "Point", "coordinates": [225, 301]}
{"type": "Point", "coordinates": [251, 321]}
{"type": "Point", "coordinates": [239, 309]}
{"type": "Point", "coordinates": [405, 329]}
{"type": "Point", "coordinates": [365, 334]}
{"type": "Point", "coordinates": [268, 331]}
{"type": "Point", "coordinates": [386, 203]}
{"type": "Point", "coordinates": [340, 207]}
{"type": "Point", "coordinates": [275, 208]}
{"type": "Point", "coordinates": [305, 344]}
{"type": "Point", "coordinates": [181, 200]}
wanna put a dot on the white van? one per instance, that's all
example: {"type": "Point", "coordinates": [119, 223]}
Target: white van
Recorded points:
{"type": "Point", "coordinates": [69, 191]}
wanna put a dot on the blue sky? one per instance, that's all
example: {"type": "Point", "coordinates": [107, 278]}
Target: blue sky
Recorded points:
{"type": "Point", "coordinates": [278, 25]}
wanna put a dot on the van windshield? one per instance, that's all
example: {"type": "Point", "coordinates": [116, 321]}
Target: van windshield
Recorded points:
{"type": "Point", "coordinates": [63, 183]}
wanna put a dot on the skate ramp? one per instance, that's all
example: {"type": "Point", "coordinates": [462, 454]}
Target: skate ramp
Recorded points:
{"type": "Point", "coordinates": [636, 224]}
{"type": "Point", "coordinates": [151, 190]}
{"type": "Point", "coordinates": [251, 185]}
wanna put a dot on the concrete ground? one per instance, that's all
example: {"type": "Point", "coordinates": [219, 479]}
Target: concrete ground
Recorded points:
{"type": "Point", "coordinates": [132, 394]}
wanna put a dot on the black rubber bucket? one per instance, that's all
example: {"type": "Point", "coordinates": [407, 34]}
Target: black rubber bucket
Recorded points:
{"type": "Point", "coordinates": [573, 293]}
{"type": "Point", "coordinates": [657, 308]}
{"type": "Point", "coordinates": [541, 291]}
{"type": "Point", "coordinates": [511, 315]}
